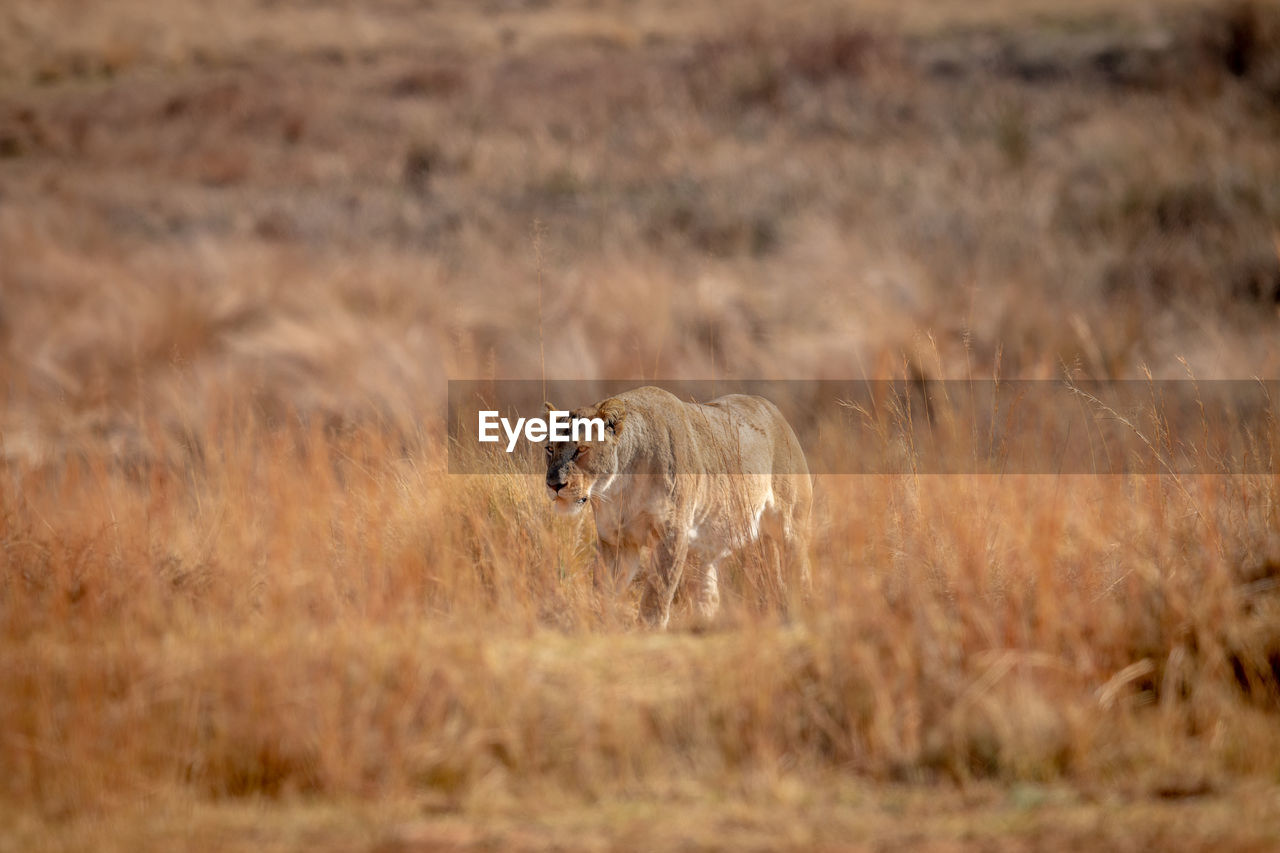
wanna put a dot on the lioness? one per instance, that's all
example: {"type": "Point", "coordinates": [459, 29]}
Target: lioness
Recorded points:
{"type": "Point", "coordinates": [686, 483]}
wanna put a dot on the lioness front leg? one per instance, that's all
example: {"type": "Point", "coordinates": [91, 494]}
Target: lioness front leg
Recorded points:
{"type": "Point", "coordinates": [665, 569]}
{"type": "Point", "coordinates": [612, 572]}
{"type": "Point", "coordinates": [616, 567]}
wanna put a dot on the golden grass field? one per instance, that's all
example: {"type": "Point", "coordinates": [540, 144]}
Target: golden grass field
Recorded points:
{"type": "Point", "coordinates": [244, 245]}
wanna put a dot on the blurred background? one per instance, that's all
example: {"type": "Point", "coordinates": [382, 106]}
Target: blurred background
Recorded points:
{"type": "Point", "coordinates": [244, 245]}
{"type": "Point", "coordinates": [332, 207]}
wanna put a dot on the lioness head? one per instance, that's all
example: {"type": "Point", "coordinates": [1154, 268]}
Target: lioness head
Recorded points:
{"type": "Point", "coordinates": [578, 469]}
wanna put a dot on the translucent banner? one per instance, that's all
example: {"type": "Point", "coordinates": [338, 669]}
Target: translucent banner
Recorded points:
{"type": "Point", "coordinates": [906, 426]}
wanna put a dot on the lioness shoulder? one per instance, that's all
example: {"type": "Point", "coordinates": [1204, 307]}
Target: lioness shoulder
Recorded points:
{"type": "Point", "coordinates": [674, 485]}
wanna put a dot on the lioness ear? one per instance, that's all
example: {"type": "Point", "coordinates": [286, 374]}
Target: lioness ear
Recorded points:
{"type": "Point", "coordinates": [613, 413]}
{"type": "Point", "coordinates": [550, 408]}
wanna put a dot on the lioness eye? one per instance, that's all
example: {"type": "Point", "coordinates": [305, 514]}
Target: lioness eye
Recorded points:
{"type": "Point", "coordinates": [579, 451]}
{"type": "Point", "coordinates": [549, 450]}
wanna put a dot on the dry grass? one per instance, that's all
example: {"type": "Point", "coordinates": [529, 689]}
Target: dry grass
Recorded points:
{"type": "Point", "coordinates": [242, 605]}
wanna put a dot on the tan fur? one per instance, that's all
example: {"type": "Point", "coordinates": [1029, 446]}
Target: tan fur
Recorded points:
{"type": "Point", "coordinates": [678, 484]}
